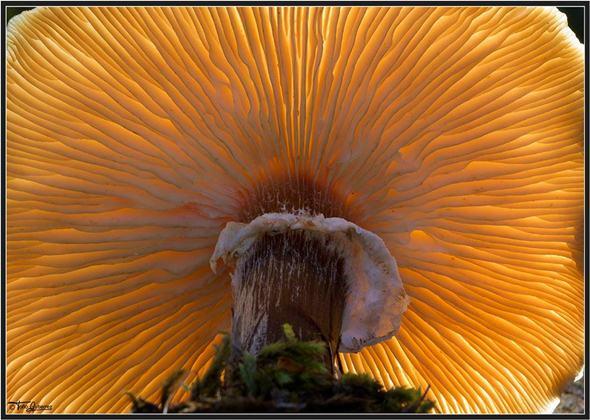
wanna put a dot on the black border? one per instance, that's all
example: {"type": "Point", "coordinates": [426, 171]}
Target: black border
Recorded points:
{"type": "Point", "coordinates": [16, 3]}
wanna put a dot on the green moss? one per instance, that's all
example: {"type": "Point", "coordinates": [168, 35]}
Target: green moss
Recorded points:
{"type": "Point", "coordinates": [210, 384]}
{"type": "Point", "coordinates": [286, 376]}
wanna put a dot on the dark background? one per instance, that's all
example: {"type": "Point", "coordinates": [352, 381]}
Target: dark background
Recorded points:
{"type": "Point", "coordinates": [575, 18]}
{"type": "Point", "coordinates": [13, 11]}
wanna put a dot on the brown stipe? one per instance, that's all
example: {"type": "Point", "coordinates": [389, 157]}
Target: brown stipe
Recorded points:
{"type": "Point", "coordinates": [296, 278]}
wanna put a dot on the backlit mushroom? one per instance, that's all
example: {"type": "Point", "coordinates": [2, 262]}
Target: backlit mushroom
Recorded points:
{"type": "Point", "coordinates": [450, 136]}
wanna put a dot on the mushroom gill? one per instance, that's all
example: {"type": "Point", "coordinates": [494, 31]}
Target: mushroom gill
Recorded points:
{"type": "Point", "coordinates": [135, 134]}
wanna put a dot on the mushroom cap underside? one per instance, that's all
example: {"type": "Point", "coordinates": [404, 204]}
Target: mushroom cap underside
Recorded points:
{"type": "Point", "coordinates": [134, 134]}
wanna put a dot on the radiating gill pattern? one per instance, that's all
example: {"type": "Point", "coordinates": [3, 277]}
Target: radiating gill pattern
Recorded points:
{"type": "Point", "coordinates": [135, 134]}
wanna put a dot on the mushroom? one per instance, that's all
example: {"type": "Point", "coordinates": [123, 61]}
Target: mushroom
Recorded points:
{"type": "Point", "coordinates": [445, 142]}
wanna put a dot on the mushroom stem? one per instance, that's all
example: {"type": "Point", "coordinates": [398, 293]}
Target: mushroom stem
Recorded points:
{"type": "Point", "coordinates": [330, 279]}
{"type": "Point", "coordinates": [294, 277]}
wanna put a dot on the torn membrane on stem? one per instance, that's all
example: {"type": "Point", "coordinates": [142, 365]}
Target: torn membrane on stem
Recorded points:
{"type": "Point", "coordinates": [329, 278]}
